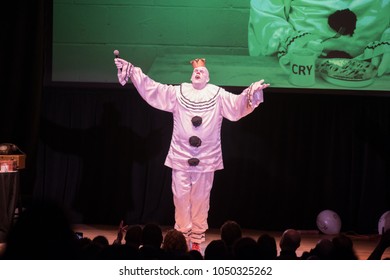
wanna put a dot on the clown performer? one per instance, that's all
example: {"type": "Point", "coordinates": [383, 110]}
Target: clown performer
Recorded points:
{"type": "Point", "coordinates": [334, 28]}
{"type": "Point", "coordinates": [195, 153]}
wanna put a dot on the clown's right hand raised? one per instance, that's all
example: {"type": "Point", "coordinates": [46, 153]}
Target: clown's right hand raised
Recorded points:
{"type": "Point", "coordinates": [124, 70]}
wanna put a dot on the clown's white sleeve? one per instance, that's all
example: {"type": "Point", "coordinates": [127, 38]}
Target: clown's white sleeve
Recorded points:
{"type": "Point", "coordinates": [236, 106]}
{"type": "Point", "coordinates": [159, 96]}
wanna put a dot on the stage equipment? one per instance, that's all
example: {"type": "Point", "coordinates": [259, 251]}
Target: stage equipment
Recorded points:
{"type": "Point", "coordinates": [11, 158]}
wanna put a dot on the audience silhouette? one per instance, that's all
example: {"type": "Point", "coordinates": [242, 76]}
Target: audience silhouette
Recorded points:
{"type": "Point", "coordinates": [289, 243]}
{"type": "Point", "coordinates": [343, 248]}
{"type": "Point", "coordinates": [43, 232]}
{"type": "Point", "coordinates": [216, 250]}
{"type": "Point", "coordinates": [267, 247]}
{"type": "Point", "coordinates": [246, 248]}
{"type": "Point", "coordinates": [323, 250]}
{"type": "Point", "coordinates": [230, 232]}
{"type": "Point", "coordinates": [152, 238]}
{"type": "Point", "coordinates": [175, 244]}
{"type": "Point", "coordinates": [381, 247]}
{"type": "Point", "coordinates": [152, 235]}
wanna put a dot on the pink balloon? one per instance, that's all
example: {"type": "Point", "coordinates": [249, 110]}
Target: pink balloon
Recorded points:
{"type": "Point", "coordinates": [329, 222]}
{"type": "Point", "coordinates": [384, 222]}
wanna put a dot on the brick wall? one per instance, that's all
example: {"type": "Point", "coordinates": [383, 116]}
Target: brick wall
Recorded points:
{"type": "Point", "coordinates": [85, 33]}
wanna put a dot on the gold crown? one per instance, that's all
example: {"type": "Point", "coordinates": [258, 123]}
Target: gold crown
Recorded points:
{"type": "Point", "coordinates": [198, 62]}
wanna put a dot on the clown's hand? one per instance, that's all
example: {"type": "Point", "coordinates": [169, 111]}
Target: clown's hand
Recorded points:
{"type": "Point", "coordinates": [124, 70]}
{"type": "Point", "coordinates": [255, 93]}
{"type": "Point", "coordinates": [382, 63]}
{"type": "Point", "coordinates": [379, 53]}
{"type": "Point", "coordinates": [259, 86]}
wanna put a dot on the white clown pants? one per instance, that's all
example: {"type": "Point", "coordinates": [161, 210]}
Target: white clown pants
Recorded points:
{"type": "Point", "coordinates": [191, 196]}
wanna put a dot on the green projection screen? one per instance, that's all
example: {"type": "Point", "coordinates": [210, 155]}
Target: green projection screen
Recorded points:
{"type": "Point", "coordinates": [302, 44]}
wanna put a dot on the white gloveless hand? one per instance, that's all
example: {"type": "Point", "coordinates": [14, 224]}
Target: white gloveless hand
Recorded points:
{"type": "Point", "coordinates": [382, 63]}
{"type": "Point", "coordinates": [255, 93]}
{"type": "Point", "coordinates": [259, 86]}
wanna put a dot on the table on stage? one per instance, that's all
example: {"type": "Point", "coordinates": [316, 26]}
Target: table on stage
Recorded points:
{"type": "Point", "coordinates": [9, 197]}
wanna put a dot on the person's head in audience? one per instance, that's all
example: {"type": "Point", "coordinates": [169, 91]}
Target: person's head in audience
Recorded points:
{"type": "Point", "coordinates": [289, 243]}
{"type": "Point", "coordinates": [343, 248]}
{"type": "Point", "coordinates": [119, 252]}
{"type": "Point", "coordinates": [89, 250]}
{"type": "Point", "coordinates": [133, 236]}
{"type": "Point", "coordinates": [323, 250]}
{"type": "Point", "coordinates": [100, 240]}
{"type": "Point", "coordinates": [245, 248]}
{"type": "Point", "coordinates": [195, 255]}
{"type": "Point", "coordinates": [216, 250]}
{"type": "Point", "coordinates": [267, 247]}
{"type": "Point", "coordinates": [42, 231]}
{"type": "Point", "coordinates": [230, 231]}
{"type": "Point", "coordinates": [152, 235]}
{"type": "Point", "coordinates": [175, 243]}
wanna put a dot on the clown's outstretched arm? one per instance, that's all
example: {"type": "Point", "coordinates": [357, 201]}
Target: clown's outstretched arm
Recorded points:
{"type": "Point", "coordinates": [159, 96]}
{"type": "Point", "coordinates": [237, 106]}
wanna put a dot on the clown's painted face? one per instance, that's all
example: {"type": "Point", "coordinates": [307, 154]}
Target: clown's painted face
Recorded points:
{"type": "Point", "coordinates": [200, 77]}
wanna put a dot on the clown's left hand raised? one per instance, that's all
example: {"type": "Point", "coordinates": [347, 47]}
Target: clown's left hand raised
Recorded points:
{"type": "Point", "coordinates": [260, 85]}
{"type": "Point", "coordinates": [255, 93]}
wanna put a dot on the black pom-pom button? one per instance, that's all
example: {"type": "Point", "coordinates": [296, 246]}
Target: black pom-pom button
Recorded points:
{"type": "Point", "coordinates": [195, 141]}
{"type": "Point", "coordinates": [193, 161]}
{"type": "Point", "coordinates": [196, 121]}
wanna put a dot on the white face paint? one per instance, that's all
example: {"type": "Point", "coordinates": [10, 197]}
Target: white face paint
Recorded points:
{"type": "Point", "coordinates": [200, 77]}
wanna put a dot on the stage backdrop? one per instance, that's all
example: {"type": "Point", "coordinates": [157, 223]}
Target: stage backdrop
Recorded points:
{"type": "Point", "coordinates": [85, 33]}
{"type": "Point", "coordinates": [243, 38]}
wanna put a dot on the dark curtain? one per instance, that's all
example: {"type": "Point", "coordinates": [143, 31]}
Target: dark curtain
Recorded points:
{"type": "Point", "coordinates": [102, 154]}
{"type": "Point", "coordinates": [302, 153]}
{"type": "Point", "coordinates": [25, 27]}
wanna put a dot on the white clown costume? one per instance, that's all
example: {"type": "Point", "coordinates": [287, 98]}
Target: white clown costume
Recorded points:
{"type": "Point", "coordinates": [195, 149]}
